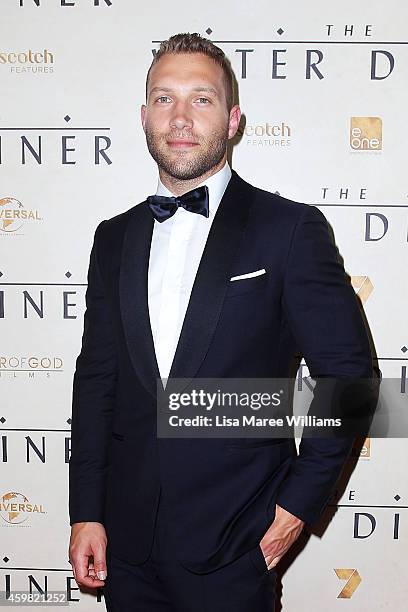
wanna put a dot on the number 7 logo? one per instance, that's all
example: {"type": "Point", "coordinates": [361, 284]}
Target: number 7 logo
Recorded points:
{"type": "Point", "coordinates": [353, 580]}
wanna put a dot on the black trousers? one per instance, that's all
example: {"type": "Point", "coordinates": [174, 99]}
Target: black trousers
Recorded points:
{"type": "Point", "coordinates": [162, 584]}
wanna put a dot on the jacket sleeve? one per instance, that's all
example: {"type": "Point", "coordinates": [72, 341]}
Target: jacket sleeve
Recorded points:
{"type": "Point", "coordinates": [324, 316]}
{"type": "Point", "coordinates": [93, 401]}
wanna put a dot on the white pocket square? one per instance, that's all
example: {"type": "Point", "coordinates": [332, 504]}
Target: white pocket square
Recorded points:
{"type": "Point", "coordinates": [248, 275]}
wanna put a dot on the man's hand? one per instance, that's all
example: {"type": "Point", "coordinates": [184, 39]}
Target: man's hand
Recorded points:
{"type": "Point", "coordinates": [87, 553]}
{"type": "Point", "coordinates": [280, 536]}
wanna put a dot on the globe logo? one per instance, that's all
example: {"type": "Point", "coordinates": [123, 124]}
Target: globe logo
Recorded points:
{"type": "Point", "coordinates": [10, 211]}
{"type": "Point", "coordinates": [15, 508]}
{"type": "Point", "coordinates": [12, 507]}
{"type": "Point", "coordinates": [13, 215]}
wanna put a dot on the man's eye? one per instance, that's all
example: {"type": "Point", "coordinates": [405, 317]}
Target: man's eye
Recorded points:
{"type": "Point", "coordinates": [163, 99]}
{"type": "Point", "coordinates": [204, 100]}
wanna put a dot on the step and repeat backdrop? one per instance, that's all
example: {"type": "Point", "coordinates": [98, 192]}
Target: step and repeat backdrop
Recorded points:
{"type": "Point", "coordinates": [323, 90]}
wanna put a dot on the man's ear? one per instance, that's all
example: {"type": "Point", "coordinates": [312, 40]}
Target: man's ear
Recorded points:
{"type": "Point", "coordinates": [234, 119]}
{"type": "Point", "coordinates": [143, 115]}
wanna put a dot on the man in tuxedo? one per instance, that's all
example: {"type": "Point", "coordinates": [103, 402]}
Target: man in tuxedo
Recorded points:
{"type": "Point", "coordinates": [209, 278]}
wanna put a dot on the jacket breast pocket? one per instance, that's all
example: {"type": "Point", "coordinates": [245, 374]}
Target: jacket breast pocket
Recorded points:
{"type": "Point", "coordinates": [247, 285]}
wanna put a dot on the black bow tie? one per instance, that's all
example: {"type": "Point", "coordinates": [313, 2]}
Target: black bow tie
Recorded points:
{"type": "Point", "coordinates": [195, 201]}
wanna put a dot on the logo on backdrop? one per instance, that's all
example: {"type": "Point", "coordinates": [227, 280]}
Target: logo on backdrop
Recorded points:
{"type": "Point", "coordinates": [13, 216]}
{"type": "Point", "coordinates": [366, 133]}
{"type": "Point", "coordinates": [22, 62]}
{"type": "Point", "coordinates": [31, 366]}
{"type": "Point", "coordinates": [266, 134]}
{"type": "Point", "coordinates": [353, 580]}
{"type": "Point", "coordinates": [362, 286]}
{"type": "Point", "coordinates": [15, 508]}
{"type": "Point", "coordinates": [361, 450]}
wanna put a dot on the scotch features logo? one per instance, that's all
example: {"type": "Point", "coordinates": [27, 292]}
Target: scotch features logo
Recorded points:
{"type": "Point", "coordinates": [353, 580]}
{"type": "Point", "coordinates": [366, 133]}
{"type": "Point", "coordinates": [13, 215]}
{"type": "Point", "coordinates": [28, 61]}
{"type": "Point", "coordinates": [266, 134]}
{"type": "Point", "coordinates": [363, 287]}
{"type": "Point", "coordinates": [15, 508]}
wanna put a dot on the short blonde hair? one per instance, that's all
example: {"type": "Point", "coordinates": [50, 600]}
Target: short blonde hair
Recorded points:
{"type": "Point", "coordinates": [195, 43]}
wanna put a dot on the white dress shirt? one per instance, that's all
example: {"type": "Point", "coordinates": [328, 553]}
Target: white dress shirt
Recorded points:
{"type": "Point", "coordinates": [175, 253]}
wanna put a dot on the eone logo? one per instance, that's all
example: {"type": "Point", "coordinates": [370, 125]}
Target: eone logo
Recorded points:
{"type": "Point", "coordinates": [366, 133]}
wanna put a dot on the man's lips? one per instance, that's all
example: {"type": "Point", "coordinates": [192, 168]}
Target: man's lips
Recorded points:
{"type": "Point", "coordinates": [181, 143]}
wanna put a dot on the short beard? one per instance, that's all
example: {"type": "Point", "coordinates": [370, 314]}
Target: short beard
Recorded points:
{"type": "Point", "coordinates": [210, 155]}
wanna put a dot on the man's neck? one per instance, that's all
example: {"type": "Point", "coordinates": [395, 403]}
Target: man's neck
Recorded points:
{"type": "Point", "coordinates": [179, 187]}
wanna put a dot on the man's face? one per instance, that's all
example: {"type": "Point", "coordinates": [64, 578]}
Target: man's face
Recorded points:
{"type": "Point", "coordinates": [185, 119]}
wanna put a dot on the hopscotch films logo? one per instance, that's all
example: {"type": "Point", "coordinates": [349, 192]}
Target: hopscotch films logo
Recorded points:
{"type": "Point", "coordinates": [29, 61]}
{"type": "Point", "coordinates": [65, 145]}
{"type": "Point", "coordinates": [366, 133]}
{"type": "Point", "coordinates": [13, 217]}
{"type": "Point", "coordinates": [16, 508]}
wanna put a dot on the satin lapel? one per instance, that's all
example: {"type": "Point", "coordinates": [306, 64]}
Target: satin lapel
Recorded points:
{"type": "Point", "coordinates": [134, 297]}
{"type": "Point", "coordinates": [212, 279]}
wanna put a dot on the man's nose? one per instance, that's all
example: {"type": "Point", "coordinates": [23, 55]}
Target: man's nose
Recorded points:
{"type": "Point", "coordinates": [181, 117]}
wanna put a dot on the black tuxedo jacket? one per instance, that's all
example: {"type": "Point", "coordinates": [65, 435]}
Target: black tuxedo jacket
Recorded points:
{"type": "Point", "coordinates": [220, 494]}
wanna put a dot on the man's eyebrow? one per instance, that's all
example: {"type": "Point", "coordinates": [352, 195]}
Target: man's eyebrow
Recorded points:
{"type": "Point", "coordinates": [197, 89]}
{"type": "Point", "coordinates": [207, 90]}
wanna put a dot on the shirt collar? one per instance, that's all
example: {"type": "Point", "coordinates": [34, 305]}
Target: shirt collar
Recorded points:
{"type": "Point", "coordinates": [216, 183]}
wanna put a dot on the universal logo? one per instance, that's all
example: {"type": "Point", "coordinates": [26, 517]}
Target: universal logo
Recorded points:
{"type": "Point", "coordinates": [366, 133]}
{"type": "Point", "coordinates": [15, 508]}
{"type": "Point", "coordinates": [266, 134]}
{"type": "Point", "coordinates": [34, 62]}
{"type": "Point", "coordinates": [13, 216]}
